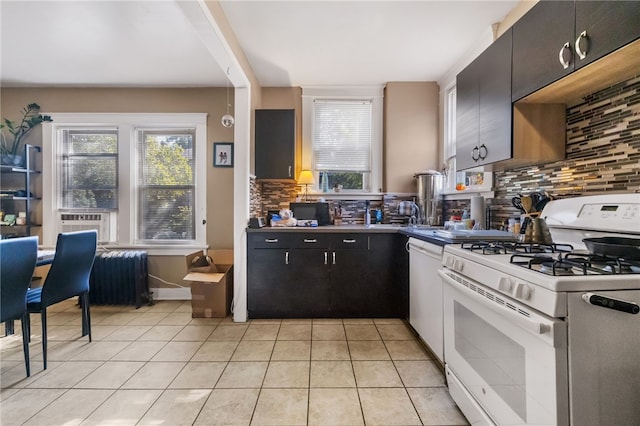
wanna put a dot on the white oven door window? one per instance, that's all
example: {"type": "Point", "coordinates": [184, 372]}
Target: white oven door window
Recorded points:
{"type": "Point", "coordinates": [511, 359]}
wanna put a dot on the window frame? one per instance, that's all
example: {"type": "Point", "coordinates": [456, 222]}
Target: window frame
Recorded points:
{"type": "Point", "coordinates": [128, 125]}
{"type": "Point", "coordinates": [66, 157]}
{"type": "Point", "coordinates": [373, 94]}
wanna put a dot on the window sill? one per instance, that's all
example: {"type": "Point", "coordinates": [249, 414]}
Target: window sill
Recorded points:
{"type": "Point", "coordinates": [468, 193]}
{"type": "Point", "coordinates": [345, 195]}
{"type": "Point", "coordinates": [155, 250]}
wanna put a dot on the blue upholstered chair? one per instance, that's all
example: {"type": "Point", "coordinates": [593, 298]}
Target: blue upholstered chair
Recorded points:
{"type": "Point", "coordinates": [68, 277]}
{"type": "Point", "coordinates": [17, 262]}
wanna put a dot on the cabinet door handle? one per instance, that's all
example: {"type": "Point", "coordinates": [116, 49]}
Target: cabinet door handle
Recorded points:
{"type": "Point", "coordinates": [348, 241]}
{"type": "Point", "coordinates": [475, 154]}
{"type": "Point", "coordinates": [270, 240]}
{"type": "Point", "coordinates": [286, 258]}
{"type": "Point", "coordinates": [326, 259]}
{"type": "Point", "coordinates": [308, 240]}
{"type": "Point", "coordinates": [565, 64]}
{"type": "Point", "coordinates": [582, 36]}
{"type": "Point", "coordinates": [482, 152]}
{"type": "Point", "coordinates": [289, 171]}
{"type": "Point", "coordinates": [333, 258]}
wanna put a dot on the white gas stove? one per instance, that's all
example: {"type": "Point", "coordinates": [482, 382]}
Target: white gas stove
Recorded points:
{"type": "Point", "coordinates": [549, 334]}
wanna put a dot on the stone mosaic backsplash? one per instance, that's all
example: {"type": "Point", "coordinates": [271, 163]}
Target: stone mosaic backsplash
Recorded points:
{"type": "Point", "coordinates": [268, 195]}
{"type": "Point", "coordinates": [602, 153]}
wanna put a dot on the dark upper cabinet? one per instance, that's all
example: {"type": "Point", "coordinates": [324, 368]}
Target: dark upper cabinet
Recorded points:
{"type": "Point", "coordinates": [556, 38]}
{"type": "Point", "coordinates": [275, 131]}
{"type": "Point", "coordinates": [540, 37]}
{"type": "Point", "coordinates": [467, 114]}
{"type": "Point", "coordinates": [604, 26]}
{"type": "Point", "coordinates": [484, 110]}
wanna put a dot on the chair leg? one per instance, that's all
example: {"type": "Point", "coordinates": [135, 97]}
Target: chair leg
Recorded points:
{"type": "Point", "coordinates": [9, 328]}
{"type": "Point", "coordinates": [27, 319]}
{"type": "Point", "coordinates": [25, 342]}
{"type": "Point", "coordinates": [86, 316]}
{"type": "Point", "coordinates": [44, 336]}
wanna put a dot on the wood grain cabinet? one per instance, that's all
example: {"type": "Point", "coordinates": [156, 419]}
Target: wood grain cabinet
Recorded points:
{"type": "Point", "coordinates": [484, 111]}
{"type": "Point", "coordinates": [326, 275]}
{"type": "Point", "coordinates": [275, 132]}
{"type": "Point", "coordinates": [556, 38]}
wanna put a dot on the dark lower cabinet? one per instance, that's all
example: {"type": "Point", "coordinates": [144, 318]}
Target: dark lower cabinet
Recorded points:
{"type": "Point", "coordinates": [348, 275]}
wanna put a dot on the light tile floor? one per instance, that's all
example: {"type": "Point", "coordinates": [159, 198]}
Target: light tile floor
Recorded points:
{"type": "Point", "coordinates": [158, 366]}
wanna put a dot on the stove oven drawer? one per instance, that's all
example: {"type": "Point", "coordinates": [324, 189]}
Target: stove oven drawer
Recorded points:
{"type": "Point", "coordinates": [510, 359]}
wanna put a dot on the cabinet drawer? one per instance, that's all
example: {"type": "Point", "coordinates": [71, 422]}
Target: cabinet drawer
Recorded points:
{"type": "Point", "coordinates": [269, 240]}
{"type": "Point", "coordinates": [312, 240]}
{"type": "Point", "coordinates": [350, 241]}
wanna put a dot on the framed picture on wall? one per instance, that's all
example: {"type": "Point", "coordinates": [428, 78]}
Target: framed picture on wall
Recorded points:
{"type": "Point", "coordinates": [222, 154]}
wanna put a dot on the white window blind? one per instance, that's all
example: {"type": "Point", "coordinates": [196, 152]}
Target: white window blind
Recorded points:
{"type": "Point", "coordinates": [342, 135]}
{"type": "Point", "coordinates": [89, 168]}
{"type": "Point", "coordinates": [167, 184]}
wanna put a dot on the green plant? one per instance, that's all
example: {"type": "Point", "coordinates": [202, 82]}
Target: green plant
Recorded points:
{"type": "Point", "coordinates": [31, 118]}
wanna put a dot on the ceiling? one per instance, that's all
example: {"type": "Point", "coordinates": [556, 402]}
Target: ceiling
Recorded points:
{"type": "Point", "coordinates": [116, 43]}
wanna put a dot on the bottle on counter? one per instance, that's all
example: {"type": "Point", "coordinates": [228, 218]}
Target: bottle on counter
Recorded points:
{"type": "Point", "coordinates": [367, 213]}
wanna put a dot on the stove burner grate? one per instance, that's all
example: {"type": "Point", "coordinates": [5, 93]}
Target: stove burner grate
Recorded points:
{"type": "Point", "coordinates": [506, 247]}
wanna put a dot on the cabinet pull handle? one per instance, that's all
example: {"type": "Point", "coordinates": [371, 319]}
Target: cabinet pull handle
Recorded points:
{"type": "Point", "coordinates": [333, 257]}
{"type": "Point", "coordinates": [475, 154]}
{"type": "Point", "coordinates": [289, 171]}
{"type": "Point", "coordinates": [582, 36]}
{"type": "Point", "coordinates": [483, 149]}
{"type": "Point", "coordinates": [565, 64]}
{"type": "Point", "coordinates": [348, 241]}
{"type": "Point", "coordinates": [286, 258]}
{"type": "Point", "coordinates": [270, 240]}
{"type": "Point", "coordinates": [326, 259]}
{"type": "Point", "coordinates": [308, 240]}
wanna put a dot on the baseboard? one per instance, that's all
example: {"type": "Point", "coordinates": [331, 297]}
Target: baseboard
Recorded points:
{"type": "Point", "coordinates": [171, 293]}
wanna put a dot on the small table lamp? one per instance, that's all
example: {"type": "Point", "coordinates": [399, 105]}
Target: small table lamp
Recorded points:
{"type": "Point", "coordinates": [306, 179]}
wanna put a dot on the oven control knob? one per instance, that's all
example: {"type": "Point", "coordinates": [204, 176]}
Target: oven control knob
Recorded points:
{"type": "Point", "coordinates": [522, 291]}
{"type": "Point", "coordinates": [458, 264]}
{"type": "Point", "coordinates": [505, 284]}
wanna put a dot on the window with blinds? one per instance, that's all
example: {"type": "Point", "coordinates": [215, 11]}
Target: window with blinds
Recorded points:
{"type": "Point", "coordinates": [342, 143]}
{"type": "Point", "coordinates": [167, 184]}
{"type": "Point", "coordinates": [89, 170]}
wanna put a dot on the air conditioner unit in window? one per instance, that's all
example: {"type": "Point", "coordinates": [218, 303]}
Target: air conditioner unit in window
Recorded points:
{"type": "Point", "coordinates": [104, 223]}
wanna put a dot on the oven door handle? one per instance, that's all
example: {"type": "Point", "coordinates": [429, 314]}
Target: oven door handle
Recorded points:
{"type": "Point", "coordinates": [524, 322]}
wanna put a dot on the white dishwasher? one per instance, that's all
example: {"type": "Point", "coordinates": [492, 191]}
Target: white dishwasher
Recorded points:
{"type": "Point", "coordinates": [425, 294]}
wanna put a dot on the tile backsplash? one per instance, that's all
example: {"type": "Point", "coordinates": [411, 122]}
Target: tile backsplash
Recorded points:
{"type": "Point", "coordinates": [602, 153]}
{"type": "Point", "coordinates": [270, 195]}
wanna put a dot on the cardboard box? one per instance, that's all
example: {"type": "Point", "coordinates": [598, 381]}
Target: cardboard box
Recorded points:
{"type": "Point", "coordinates": [211, 292]}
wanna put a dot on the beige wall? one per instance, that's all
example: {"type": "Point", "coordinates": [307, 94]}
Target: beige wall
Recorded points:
{"type": "Point", "coordinates": [410, 133]}
{"type": "Point", "coordinates": [410, 129]}
{"type": "Point", "coordinates": [201, 100]}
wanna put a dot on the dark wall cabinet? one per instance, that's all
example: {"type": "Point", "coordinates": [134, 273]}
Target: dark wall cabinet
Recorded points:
{"type": "Point", "coordinates": [275, 137]}
{"type": "Point", "coordinates": [484, 111]}
{"type": "Point", "coordinates": [325, 275]}
{"type": "Point", "coordinates": [556, 38]}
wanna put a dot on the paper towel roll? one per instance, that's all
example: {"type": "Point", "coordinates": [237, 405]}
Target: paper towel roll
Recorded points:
{"type": "Point", "coordinates": [478, 211]}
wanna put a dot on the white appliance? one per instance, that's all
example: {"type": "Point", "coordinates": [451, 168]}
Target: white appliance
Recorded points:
{"type": "Point", "coordinates": [104, 223]}
{"type": "Point", "coordinates": [425, 286]}
{"type": "Point", "coordinates": [425, 294]}
{"type": "Point", "coordinates": [547, 334]}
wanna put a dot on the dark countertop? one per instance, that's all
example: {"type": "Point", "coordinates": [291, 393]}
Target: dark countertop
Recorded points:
{"type": "Point", "coordinates": [419, 233]}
